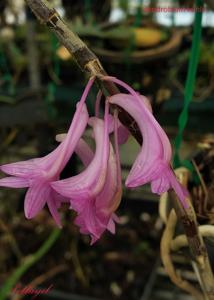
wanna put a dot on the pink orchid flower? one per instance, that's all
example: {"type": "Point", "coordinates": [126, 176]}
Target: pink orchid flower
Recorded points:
{"type": "Point", "coordinates": [107, 201]}
{"type": "Point", "coordinates": [97, 213]}
{"type": "Point", "coordinates": [153, 161]}
{"type": "Point", "coordinates": [37, 174]}
{"type": "Point", "coordinates": [95, 193]}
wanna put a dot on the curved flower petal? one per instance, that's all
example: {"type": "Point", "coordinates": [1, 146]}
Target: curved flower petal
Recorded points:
{"type": "Point", "coordinates": [86, 220]}
{"type": "Point", "coordinates": [82, 149]}
{"type": "Point", "coordinates": [153, 161]}
{"type": "Point", "coordinates": [35, 199]}
{"type": "Point", "coordinates": [111, 226]}
{"type": "Point", "coordinates": [91, 176]}
{"type": "Point", "coordinates": [110, 197]}
{"type": "Point", "coordinates": [56, 161]}
{"type": "Point", "coordinates": [92, 179]}
{"type": "Point", "coordinates": [84, 152]}
{"type": "Point", "coordinates": [159, 185]}
{"type": "Point", "coordinates": [53, 163]}
{"type": "Point", "coordinates": [21, 169]}
{"type": "Point", "coordinates": [14, 182]}
{"type": "Point", "coordinates": [123, 133]}
{"type": "Point", "coordinates": [54, 202]}
{"type": "Point", "coordinates": [146, 102]}
{"type": "Point", "coordinates": [96, 214]}
{"type": "Point", "coordinates": [155, 146]}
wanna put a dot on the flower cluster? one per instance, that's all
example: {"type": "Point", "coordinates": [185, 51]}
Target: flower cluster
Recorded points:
{"type": "Point", "coordinates": [96, 192]}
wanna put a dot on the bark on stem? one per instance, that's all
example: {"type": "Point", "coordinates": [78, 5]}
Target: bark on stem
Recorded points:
{"type": "Point", "coordinates": [196, 244]}
{"type": "Point", "coordinates": [85, 58]}
{"type": "Point", "coordinates": [199, 253]}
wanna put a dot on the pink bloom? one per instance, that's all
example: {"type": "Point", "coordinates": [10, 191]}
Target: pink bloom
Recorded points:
{"type": "Point", "coordinates": [153, 161]}
{"type": "Point", "coordinates": [37, 174]}
{"type": "Point", "coordinates": [96, 192]}
{"type": "Point", "coordinates": [97, 213]}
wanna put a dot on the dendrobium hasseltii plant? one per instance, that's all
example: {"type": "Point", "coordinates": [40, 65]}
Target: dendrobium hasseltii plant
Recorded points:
{"type": "Point", "coordinates": [95, 193]}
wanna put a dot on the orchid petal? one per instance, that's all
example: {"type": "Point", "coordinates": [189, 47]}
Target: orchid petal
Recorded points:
{"type": "Point", "coordinates": [123, 133]}
{"type": "Point", "coordinates": [96, 214]}
{"type": "Point", "coordinates": [53, 205]}
{"type": "Point", "coordinates": [87, 220]}
{"type": "Point", "coordinates": [84, 152]}
{"type": "Point", "coordinates": [146, 102]}
{"type": "Point", "coordinates": [82, 149]}
{"type": "Point", "coordinates": [59, 199]}
{"type": "Point", "coordinates": [82, 182]}
{"type": "Point", "coordinates": [111, 226]}
{"type": "Point", "coordinates": [21, 169]}
{"type": "Point", "coordinates": [110, 197]}
{"type": "Point", "coordinates": [63, 152]}
{"type": "Point", "coordinates": [153, 161]}
{"type": "Point", "coordinates": [14, 182]}
{"type": "Point", "coordinates": [58, 158]}
{"type": "Point", "coordinates": [178, 188]}
{"type": "Point", "coordinates": [92, 179]}
{"type": "Point", "coordinates": [115, 218]}
{"type": "Point", "coordinates": [35, 199]}
{"type": "Point", "coordinates": [79, 204]}
{"type": "Point", "coordinates": [152, 148]}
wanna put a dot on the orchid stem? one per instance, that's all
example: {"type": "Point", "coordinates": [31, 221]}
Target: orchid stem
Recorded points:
{"type": "Point", "coordinates": [200, 258]}
{"type": "Point", "coordinates": [28, 262]}
{"type": "Point", "coordinates": [85, 58]}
